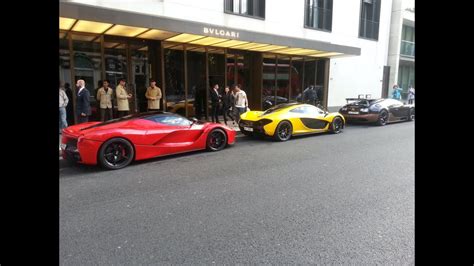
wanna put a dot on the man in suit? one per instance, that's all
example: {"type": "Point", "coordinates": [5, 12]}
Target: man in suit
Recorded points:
{"type": "Point", "coordinates": [215, 99]}
{"type": "Point", "coordinates": [83, 109]}
{"type": "Point", "coordinates": [104, 96]}
{"type": "Point", "coordinates": [227, 104]}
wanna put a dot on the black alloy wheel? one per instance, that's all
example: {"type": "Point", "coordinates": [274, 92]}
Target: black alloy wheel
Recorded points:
{"type": "Point", "coordinates": [216, 140]}
{"type": "Point", "coordinates": [283, 131]}
{"type": "Point", "coordinates": [337, 125]}
{"type": "Point", "coordinates": [383, 118]}
{"type": "Point", "coordinates": [116, 153]}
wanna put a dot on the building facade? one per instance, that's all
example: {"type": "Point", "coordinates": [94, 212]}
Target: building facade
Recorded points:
{"type": "Point", "coordinates": [314, 51]}
{"type": "Point", "coordinates": [401, 57]}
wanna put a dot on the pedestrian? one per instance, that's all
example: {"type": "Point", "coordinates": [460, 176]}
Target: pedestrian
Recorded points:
{"type": "Point", "coordinates": [104, 97]}
{"type": "Point", "coordinates": [241, 102]}
{"type": "Point", "coordinates": [63, 102]}
{"type": "Point", "coordinates": [199, 100]}
{"type": "Point", "coordinates": [411, 95]}
{"type": "Point", "coordinates": [83, 107]}
{"type": "Point", "coordinates": [153, 94]}
{"type": "Point", "coordinates": [227, 103]}
{"type": "Point", "coordinates": [99, 85]}
{"type": "Point", "coordinates": [396, 92]}
{"type": "Point", "coordinates": [69, 107]}
{"type": "Point", "coordinates": [122, 99]}
{"type": "Point", "coordinates": [215, 100]}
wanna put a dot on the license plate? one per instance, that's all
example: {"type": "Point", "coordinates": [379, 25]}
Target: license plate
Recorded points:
{"type": "Point", "coordinates": [353, 113]}
{"type": "Point", "coordinates": [248, 129]}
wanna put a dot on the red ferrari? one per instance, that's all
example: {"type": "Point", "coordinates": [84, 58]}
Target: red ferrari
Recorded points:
{"type": "Point", "coordinates": [116, 143]}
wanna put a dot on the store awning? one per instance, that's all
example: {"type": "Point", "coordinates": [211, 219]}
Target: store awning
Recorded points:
{"type": "Point", "coordinates": [91, 19]}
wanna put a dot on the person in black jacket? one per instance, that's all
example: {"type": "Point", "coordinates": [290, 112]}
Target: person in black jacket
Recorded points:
{"type": "Point", "coordinates": [83, 106]}
{"type": "Point", "coordinates": [227, 104]}
{"type": "Point", "coordinates": [215, 99]}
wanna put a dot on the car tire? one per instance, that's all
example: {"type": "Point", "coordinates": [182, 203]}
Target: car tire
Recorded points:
{"type": "Point", "coordinates": [216, 140]}
{"type": "Point", "coordinates": [284, 131]}
{"type": "Point", "coordinates": [116, 153]}
{"type": "Point", "coordinates": [383, 118]}
{"type": "Point", "coordinates": [337, 125]}
{"type": "Point", "coordinates": [411, 117]}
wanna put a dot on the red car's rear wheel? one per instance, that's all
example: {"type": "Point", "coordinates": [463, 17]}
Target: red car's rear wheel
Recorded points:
{"type": "Point", "coordinates": [216, 140]}
{"type": "Point", "coordinates": [116, 153]}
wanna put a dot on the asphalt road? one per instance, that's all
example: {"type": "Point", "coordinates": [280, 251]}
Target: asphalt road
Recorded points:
{"type": "Point", "coordinates": [321, 199]}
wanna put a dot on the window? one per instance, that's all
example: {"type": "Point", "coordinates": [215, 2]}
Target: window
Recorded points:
{"type": "Point", "coordinates": [309, 110]}
{"type": "Point", "coordinates": [299, 110]}
{"type": "Point", "coordinates": [369, 19]}
{"type": "Point", "coordinates": [251, 8]}
{"type": "Point", "coordinates": [172, 120]}
{"type": "Point", "coordinates": [313, 110]}
{"type": "Point", "coordinates": [407, 46]}
{"type": "Point", "coordinates": [393, 103]}
{"type": "Point", "coordinates": [318, 14]}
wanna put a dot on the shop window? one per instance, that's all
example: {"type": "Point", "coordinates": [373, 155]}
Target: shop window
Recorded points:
{"type": "Point", "coordinates": [369, 19]}
{"type": "Point", "coordinates": [250, 8]}
{"type": "Point", "coordinates": [318, 14]}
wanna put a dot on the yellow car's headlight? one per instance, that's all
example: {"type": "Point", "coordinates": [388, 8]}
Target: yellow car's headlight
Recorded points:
{"type": "Point", "coordinates": [263, 122]}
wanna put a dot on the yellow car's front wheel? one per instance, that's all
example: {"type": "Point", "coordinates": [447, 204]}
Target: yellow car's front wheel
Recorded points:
{"type": "Point", "coordinates": [283, 131]}
{"type": "Point", "coordinates": [337, 125]}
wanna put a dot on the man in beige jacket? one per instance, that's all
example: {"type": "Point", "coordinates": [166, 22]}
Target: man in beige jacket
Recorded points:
{"type": "Point", "coordinates": [122, 99]}
{"type": "Point", "coordinates": [153, 94]}
{"type": "Point", "coordinates": [104, 96]}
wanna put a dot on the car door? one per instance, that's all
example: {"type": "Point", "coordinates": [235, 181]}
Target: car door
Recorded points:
{"type": "Point", "coordinates": [313, 119]}
{"type": "Point", "coordinates": [405, 111]}
{"type": "Point", "coordinates": [174, 131]}
{"type": "Point", "coordinates": [395, 109]}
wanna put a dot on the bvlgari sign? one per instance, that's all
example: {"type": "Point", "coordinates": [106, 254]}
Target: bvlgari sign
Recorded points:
{"type": "Point", "coordinates": [221, 32]}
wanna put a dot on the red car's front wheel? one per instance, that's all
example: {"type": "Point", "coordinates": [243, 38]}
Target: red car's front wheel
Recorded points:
{"type": "Point", "coordinates": [116, 153]}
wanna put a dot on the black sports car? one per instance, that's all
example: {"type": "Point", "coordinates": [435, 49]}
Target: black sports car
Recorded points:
{"type": "Point", "coordinates": [379, 111]}
{"type": "Point", "coordinates": [270, 101]}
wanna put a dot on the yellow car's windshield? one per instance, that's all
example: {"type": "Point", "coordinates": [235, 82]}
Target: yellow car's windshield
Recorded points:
{"type": "Point", "coordinates": [278, 108]}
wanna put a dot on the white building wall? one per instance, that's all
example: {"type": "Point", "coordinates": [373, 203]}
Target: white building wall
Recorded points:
{"type": "Point", "coordinates": [395, 42]}
{"type": "Point", "coordinates": [400, 16]}
{"type": "Point", "coordinates": [349, 76]}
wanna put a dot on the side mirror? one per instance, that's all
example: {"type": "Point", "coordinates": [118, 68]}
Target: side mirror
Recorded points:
{"type": "Point", "coordinates": [194, 121]}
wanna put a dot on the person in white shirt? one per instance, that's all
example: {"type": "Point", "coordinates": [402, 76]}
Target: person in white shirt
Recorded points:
{"type": "Point", "coordinates": [63, 101]}
{"type": "Point", "coordinates": [411, 94]}
{"type": "Point", "coordinates": [241, 102]}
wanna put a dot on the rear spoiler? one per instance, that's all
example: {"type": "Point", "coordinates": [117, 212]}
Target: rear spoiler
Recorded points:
{"type": "Point", "coordinates": [360, 97]}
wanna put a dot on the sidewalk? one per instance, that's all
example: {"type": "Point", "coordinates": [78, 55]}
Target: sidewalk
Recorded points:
{"type": "Point", "coordinates": [229, 124]}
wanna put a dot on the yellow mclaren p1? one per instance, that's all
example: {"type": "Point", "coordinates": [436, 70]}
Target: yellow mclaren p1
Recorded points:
{"type": "Point", "coordinates": [288, 119]}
